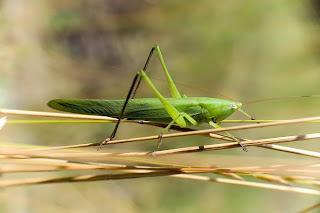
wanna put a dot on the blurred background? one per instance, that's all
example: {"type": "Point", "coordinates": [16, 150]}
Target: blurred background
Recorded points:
{"type": "Point", "coordinates": [246, 50]}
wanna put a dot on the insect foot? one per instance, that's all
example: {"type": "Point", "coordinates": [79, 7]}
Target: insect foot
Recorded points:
{"type": "Point", "coordinates": [153, 154]}
{"type": "Point", "coordinates": [243, 147]}
{"type": "Point", "coordinates": [159, 140]}
{"type": "Point", "coordinates": [103, 143]}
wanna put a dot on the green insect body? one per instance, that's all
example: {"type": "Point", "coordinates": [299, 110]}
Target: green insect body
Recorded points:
{"type": "Point", "coordinates": [180, 110]}
{"type": "Point", "coordinates": [201, 109]}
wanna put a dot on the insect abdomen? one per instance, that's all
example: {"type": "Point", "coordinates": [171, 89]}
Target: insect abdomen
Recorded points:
{"type": "Point", "coordinates": [149, 109]}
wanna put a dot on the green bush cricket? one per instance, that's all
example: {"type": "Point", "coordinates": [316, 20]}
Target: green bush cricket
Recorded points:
{"type": "Point", "coordinates": [181, 110]}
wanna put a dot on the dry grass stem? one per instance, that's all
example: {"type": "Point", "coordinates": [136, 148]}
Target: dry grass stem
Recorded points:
{"type": "Point", "coordinates": [310, 208]}
{"type": "Point", "coordinates": [249, 184]}
{"type": "Point", "coordinates": [185, 149]}
{"type": "Point", "coordinates": [216, 136]}
{"type": "Point", "coordinates": [83, 178]}
{"type": "Point", "coordinates": [44, 159]}
{"type": "Point", "coordinates": [198, 132]}
{"type": "Point", "coordinates": [57, 164]}
{"type": "Point", "coordinates": [54, 162]}
{"type": "Point", "coordinates": [52, 114]}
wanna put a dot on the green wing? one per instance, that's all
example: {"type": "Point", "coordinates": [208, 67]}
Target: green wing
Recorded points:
{"type": "Point", "coordinates": [149, 109]}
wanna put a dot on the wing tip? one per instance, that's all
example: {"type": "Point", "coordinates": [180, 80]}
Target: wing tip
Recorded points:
{"type": "Point", "coordinates": [55, 104]}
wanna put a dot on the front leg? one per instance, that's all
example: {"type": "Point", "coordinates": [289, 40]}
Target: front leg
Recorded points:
{"type": "Point", "coordinates": [228, 134]}
{"type": "Point", "coordinates": [181, 114]}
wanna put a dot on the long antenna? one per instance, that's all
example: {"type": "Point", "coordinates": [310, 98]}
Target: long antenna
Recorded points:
{"type": "Point", "coordinates": [269, 99]}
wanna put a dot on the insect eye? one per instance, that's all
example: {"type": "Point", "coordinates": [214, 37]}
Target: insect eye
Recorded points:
{"type": "Point", "coordinates": [234, 107]}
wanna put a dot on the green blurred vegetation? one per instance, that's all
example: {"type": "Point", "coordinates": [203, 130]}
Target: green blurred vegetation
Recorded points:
{"type": "Point", "coordinates": [246, 50]}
